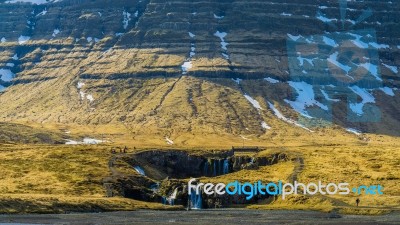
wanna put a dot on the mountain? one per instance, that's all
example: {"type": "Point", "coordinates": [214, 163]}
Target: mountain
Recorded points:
{"type": "Point", "coordinates": [178, 71]}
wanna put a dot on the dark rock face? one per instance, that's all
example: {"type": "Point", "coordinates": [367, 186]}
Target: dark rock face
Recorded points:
{"type": "Point", "coordinates": [135, 187]}
{"type": "Point", "coordinates": [180, 164]}
{"type": "Point", "coordinates": [176, 164]}
{"type": "Point", "coordinates": [173, 166]}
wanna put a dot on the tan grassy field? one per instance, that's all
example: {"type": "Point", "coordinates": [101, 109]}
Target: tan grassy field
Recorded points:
{"type": "Point", "coordinates": [52, 178]}
{"type": "Point", "coordinates": [55, 179]}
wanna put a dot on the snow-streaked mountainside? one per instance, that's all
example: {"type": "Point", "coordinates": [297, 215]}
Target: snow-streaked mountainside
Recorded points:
{"type": "Point", "coordinates": [201, 67]}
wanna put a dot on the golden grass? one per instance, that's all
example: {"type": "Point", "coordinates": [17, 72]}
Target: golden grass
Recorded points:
{"type": "Point", "coordinates": [33, 203]}
{"type": "Point", "coordinates": [74, 174]}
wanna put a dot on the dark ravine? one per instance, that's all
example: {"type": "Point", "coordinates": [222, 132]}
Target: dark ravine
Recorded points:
{"type": "Point", "coordinates": [165, 173]}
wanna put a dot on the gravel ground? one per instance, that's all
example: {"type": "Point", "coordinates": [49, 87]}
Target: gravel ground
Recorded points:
{"type": "Point", "coordinates": [227, 216]}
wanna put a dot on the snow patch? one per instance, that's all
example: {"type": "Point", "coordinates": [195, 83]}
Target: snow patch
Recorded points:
{"type": "Point", "coordinates": [357, 42]}
{"type": "Point", "coordinates": [80, 85]}
{"type": "Point", "coordinates": [329, 41]}
{"type": "Point", "coordinates": [237, 80]}
{"type": "Point", "coordinates": [6, 75]}
{"type": "Point", "coordinates": [90, 98]}
{"type": "Point", "coordinates": [282, 117]}
{"type": "Point", "coordinates": [253, 102]}
{"type": "Point", "coordinates": [37, 2]}
{"type": "Point", "coordinates": [139, 170]}
{"type": "Point", "coordinates": [169, 141]}
{"type": "Point", "coordinates": [218, 17]}
{"type": "Point", "coordinates": [265, 125]}
{"type": "Point", "coordinates": [379, 46]}
{"type": "Point", "coordinates": [192, 52]}
{"type": "Point", "coordinates": [271, 80]}
{"type": "Point", "coordinates": [302, 59]}
{"type": "Point", "coordinates": [333, 59]}
{"type": "Point", "coordinates": [86, 141]}
{"type": "Point", "coordinates": [373, 69]}
{"type": "Point", "coordinates": [294, 38]}
{"type": "Point", "coordinates": [55, 32]}
{"type": "Point", "coordinates": [23, 39]}
{"type": "Point", "coordinates": [126, 19]}
{"type": "Point", "coordinates": [305, 98]}
{"type": "Point", "coordinates": [365, 96]}
{"type": "Point", "coordinates": [388, 91]}
{"type": "Point", "coordinates": [394, 69]}
{"type": "Point", "coordinates": [44, 12]}
{"type": "Point", "coordinates": [354, 131]}
{"type": "Point", "coordinates": [325, 19]}
{"type": "Point", "coordinates": [286, 14]}
{"type": "Point", "coordinates": [326, 96]}
{"type": "Point", "coordinates": [186, 67]}
{"type": "Point", "coordinates": [92, 141]}
{"type": "Point", "coordinates": [222, 36]}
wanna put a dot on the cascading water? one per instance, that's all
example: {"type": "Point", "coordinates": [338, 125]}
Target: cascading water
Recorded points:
{"type": "Point", "coordinates": [139, 170]}
{"type": "Point", "coordinates": [205, 169]}
{"type": "Point", "coordinates": [172, 197]}
{"type": "Point", "coordinates": [214, 168]}
{"type": "Point", "coordinates": [252, 161]}
{"type": "Point", "coordinates": [163, 200]}
{"type": "Point", "coordinates": [225, 167]}
{"type": "Point", "coordinates": [196, 200]}
{"type": "Point", "coordinates": [155, 187]}
{"type": "Point", "coordinates": [222, 166]}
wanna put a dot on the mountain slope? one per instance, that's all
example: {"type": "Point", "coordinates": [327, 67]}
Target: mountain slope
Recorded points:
{"type": "Point", "coordinates": [171, 68]}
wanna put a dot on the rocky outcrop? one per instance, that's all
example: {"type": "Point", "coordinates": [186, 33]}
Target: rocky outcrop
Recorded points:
{"type": "Point", "coordinates": [165, 173]}
{"type": "Point", "coordinates": [181, 164]}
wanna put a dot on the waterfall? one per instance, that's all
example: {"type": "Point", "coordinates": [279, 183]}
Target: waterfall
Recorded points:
{"type": "Point", "coordinates": [221, 166]}
{"type": "Point", "coordinates": [172, 197]}
{"type": "Point", "coordinates": [139, 170]}
{"type": "Point", "coordinates": [215, 168]}
{"type": "Point", "coordinates": [205, 170]}
{"type": "Point", "coordinates": [155, 187]}
{"type": "Point", "coordinates": [226, 167]}
{"type": "Point", "coordinates": [196, 200]}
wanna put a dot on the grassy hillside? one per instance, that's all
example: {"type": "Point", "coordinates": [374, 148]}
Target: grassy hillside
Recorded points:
{"type": "Point", "coordinates": [57, 179]}
{"type": "Point", "coordinates": [132, 76]}
{"type": "Point", "coordinates": [16, 133]}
